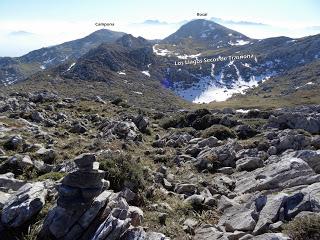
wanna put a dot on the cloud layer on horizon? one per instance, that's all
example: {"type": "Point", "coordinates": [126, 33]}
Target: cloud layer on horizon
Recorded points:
{"type": "Point", "coordinates": [18, 38]}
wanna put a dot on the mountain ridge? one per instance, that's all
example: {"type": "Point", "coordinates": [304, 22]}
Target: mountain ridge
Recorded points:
{"type": "Point", "coordinates": [18, 68]}
{"type": "Point", "coordinates": [201, 83]}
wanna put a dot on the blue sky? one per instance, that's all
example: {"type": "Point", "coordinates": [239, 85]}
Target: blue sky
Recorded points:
{"type": "Point", "coordinates": [55, 21]}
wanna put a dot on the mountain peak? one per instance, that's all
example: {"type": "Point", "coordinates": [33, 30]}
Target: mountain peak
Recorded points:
{"type": "Point", "coordinates": [206, 32]}
{"type": "Point", "coordinates": [104, 34]}
{"type": "Point", "coordinates": [130, 41]}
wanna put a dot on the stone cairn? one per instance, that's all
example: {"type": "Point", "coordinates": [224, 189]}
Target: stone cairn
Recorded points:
{"type": "Point", "coordinates": [86, 210]}
{"type": "Point", "coordinates": [80, 187]}
{"type": "Point", "coordinates": [81, 195]}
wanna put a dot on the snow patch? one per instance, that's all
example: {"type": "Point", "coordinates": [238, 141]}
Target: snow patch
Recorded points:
{"type": "Point", "coordinates": [188, 56]}
{"type": "Point", "coordinates": [49, 60]}
{"type": "Point", "coordinates": [160, 52]}
{"type": "Point", "coordinates": [213, 88]}
{"type": "Point", "coordinates": [71, 66]}
{"type": "Point", "coordinates": [245, 110]}
{"type": "Point", "coordinates": [247, 65]}
{"type": "Point", "coordinates": [308, 83]}
{"type": "Point", "coordinates": [203, 35]}
{"type": "Point", "coordinates": [146, 73]}
{"type": "Point", "coordinates": [211, 26]}
{"type": "Point", "coordinates": [238, 43]}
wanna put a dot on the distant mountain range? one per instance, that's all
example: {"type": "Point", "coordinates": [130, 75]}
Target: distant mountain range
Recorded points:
{"type": "Point", "coordinates": [16, 69]}
{"type": "Point", "coordinates": [118, 59]}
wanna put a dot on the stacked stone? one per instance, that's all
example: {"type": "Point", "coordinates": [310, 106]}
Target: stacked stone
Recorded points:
{"type": "Point", "coordinates": [80, 187]}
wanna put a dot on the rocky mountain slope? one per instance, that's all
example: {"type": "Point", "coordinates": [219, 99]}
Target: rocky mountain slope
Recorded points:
{"type": "Point", "coordinates": [16, 69]}
{"type": "Point", "coordinates": [126, 70]}
{"type": "Point", "coordinates": [295, 87]}
{"type": "Point", "coordinates": [204, 75]}
{"type": "Point", "coordinates": [79, 168]}
{"type": "Point", "coordinates": [201, 62]}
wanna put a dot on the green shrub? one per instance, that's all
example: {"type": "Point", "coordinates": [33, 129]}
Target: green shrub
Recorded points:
{"type": "Point", "coordinates": [304, 228]}
{"type": "Point", "coordinates": [219, 131]}
{"type": "Point", "coordinates": [122, 171]}
{"type": "Point", "coordinates": [177, 121]}
{"type": "Point", "coordinates": [117, 101]}
{"type": "Point", "coordinates": [199, 120]}
{"type": "Point", "coordinates": [52, 175]}
{"type": "Point", "coordinates": [162, 158]}
{"type": "Point", "coordinates": [206, 121]}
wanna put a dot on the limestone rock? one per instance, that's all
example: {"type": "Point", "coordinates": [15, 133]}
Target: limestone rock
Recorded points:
{"type": "Point", "coordinates": [249, 163]}
{"type": "Point", "coordinates": [8, 182]}
{"type": "Point", "coordinates": [296, 121]}
{"type": "Point", "coordinates": [24, 204]}
{"type": "Point", "coordinates": [14, 143]}
{"type": "Point", "coordinates": [141, 122]}
{"type": "Point", "coordinates": [136, 233]}
{"type": "Point", "coordinates": [287, 172]}
{"type": "Point", "coordinates": [136, 215]}
{"type": "Point", "coordinates": [207, 232]}
{"type": "Point", "coordinates": [186, 188]}
{"type": "Point", "coordinates": [119, 129]}
{"type": "Point", "coordinates": [238, 218]}
{"type": "Point", "coordinates": [269, 213]}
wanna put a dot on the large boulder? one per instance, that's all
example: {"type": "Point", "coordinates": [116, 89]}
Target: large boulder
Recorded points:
{"type": "Point", "coordinates": [25, 204]}
{"type": "Point", "coordinates": [217, 157]}
{"type": "Point", "coordinates": [312, 158]}
{"type": "Point", "coordinates": [177, 139]}
{"type": "Point", "coordinates": [238, 218]}
{"type": "Point", "coordinates": [9, 183]}
{"type": "Point", "coordinates": [270, 212]}
{"type": "Point", "coordinates": [114, 226]}
{"type": "Point", "coordinates": [245, 131]}
{"type": "Point", "coordinates": [284, 173]}
{"type": "Point", "coordinates": [310, 123]}
{"type": "Point", "coordinates": [249, 163]}
{"type": "Point", "coordinates": [78, 127]}
{"type": "Point", "coordinates": [141, 122]}
{"type": "Point", "coordinates": [287, 139]}
{"type": "Point", "coordinates": [37, 116]}
{"type": "Point", "coordinates": [47, 155]}
{"type": "Point", "coordinates": [16, 164]}
{"type": "Point", "coordinates": [14, 143]}
{"type": "Point", "coordinates": [119, 129]}
{"type": "Point", "coordinates": [136, 233]}
{"type": "Point", "coordinates": [272, 236]}
{"type": "Point", "coordinates": [186, 188]}
{"type": "Point", "coordinates": [207, 232]}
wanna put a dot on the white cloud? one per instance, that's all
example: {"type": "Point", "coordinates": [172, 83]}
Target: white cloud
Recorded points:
{"type": "Point", "coordinates": [48, 33]}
